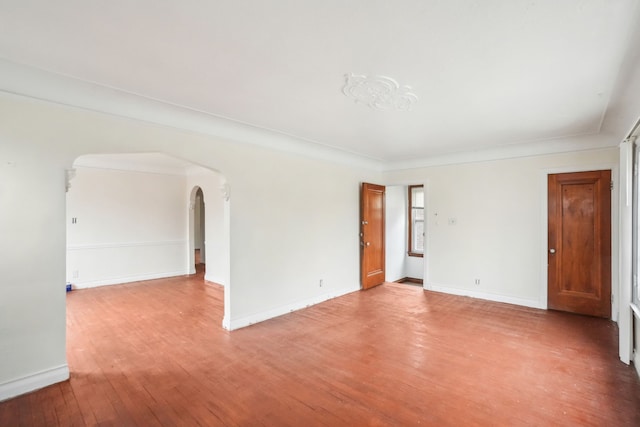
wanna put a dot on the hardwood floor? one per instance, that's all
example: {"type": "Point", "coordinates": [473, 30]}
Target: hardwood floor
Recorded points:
{"type": "Point", "coordinates": [154, 353]}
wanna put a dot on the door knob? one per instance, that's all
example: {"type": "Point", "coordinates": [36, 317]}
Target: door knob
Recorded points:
{"type": "Point", "coordinates": [553, 251]}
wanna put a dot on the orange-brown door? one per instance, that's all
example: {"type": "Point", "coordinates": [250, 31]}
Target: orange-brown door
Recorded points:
{"type": "Point", "coordinates": [579, 252]}
{"type": "Point", "coordinates": [372, 235]}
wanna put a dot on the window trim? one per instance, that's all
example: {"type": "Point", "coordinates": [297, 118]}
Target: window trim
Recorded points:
{"type": "Point", "coordinates": [410, 251]}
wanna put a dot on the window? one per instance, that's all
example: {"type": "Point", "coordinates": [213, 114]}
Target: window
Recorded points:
{"type": "Point", "coordinates": [416, 220]}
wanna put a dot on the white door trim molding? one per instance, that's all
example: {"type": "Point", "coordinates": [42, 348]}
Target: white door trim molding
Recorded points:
{"type": "Point", "coordinates": [625, 319]}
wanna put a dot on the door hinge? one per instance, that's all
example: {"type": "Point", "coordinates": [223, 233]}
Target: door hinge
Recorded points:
{"type": "Point", "coordinates": [611, 185]}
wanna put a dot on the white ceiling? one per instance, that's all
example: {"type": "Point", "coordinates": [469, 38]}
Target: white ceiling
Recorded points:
{"type": "Point", "coordinates": [487, 73]}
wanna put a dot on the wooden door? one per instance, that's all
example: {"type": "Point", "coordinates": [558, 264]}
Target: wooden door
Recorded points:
{"type": "Point", "coordinates": [372, 235]}
{"type": "Point", "coordinates": [579, 253]}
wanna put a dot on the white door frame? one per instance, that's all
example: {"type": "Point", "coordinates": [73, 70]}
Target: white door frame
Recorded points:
{"type": "Point", "coordinates": [625, 320]}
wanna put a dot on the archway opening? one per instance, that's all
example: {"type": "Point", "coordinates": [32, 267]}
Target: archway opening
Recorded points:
{"type": "Point", "coordinates": [199, 230]}
{"type": "Point", "coordinates": [132, 217]}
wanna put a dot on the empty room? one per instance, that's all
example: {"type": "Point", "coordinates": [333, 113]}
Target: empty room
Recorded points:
{"type": "Point", "coordinates": [319, 213]}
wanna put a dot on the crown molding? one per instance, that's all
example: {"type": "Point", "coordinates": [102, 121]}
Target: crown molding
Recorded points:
{"type": "Point", "coordinates": [536, 148]}
{"type": "Point", "coordinates": [42, 85]}
{"type": "Point", "coordinates": [151, 163]}
{"type": "Point", "coordinates": [128, 163]}
{"type": "Point", "coordinates": [26, 81]}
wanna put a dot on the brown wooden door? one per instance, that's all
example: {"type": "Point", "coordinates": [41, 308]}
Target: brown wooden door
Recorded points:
{"type": "Point", "coordinates": [579, 252]}
{"type": "Point", "coordinates": [372, 235]}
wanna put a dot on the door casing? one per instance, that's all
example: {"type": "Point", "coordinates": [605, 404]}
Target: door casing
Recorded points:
{"type": "Point", "coordinates": [615, 227]}
{"type": "Point", "coordinates": [372, 235]}
{"type": "Point", "coordinates": [592, 255]}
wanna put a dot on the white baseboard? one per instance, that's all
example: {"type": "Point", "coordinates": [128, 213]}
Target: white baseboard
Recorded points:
{"type": "Point", "coordinates": [483, 295]}
{"type": "Point", "coordinates": [213, 279]}
{"type": "Point", "coordinates": [225, 323]}
{"type": "Point", "coordinates": [33, 382]}
{"type": "Point", "coordinates": [635, 357]}
{"type": "Point", "coordinates": [232, 324]}
{"type": "Point", "coordinates": [127, 279]}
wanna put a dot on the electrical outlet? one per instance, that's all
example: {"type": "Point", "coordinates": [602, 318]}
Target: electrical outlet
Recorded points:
{"type": "Point", "coordinates": [477, 281]}
{"type": "Point", "coordinates": [76, 274]}
{"type": "Point", "coordinates": [320, 282]}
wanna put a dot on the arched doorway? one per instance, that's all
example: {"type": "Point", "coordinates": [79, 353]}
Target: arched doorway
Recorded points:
{"type": "Point", "coordinates": [132, 217]}
{"type": "Point", "coordinates": [199, 226]}
{"type": "Point", "coordinates": [209, 228]}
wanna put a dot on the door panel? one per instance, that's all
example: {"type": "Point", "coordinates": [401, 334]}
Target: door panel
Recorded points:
{"type": "Point", "coordinates": [579, 253]}
{"type": "Point", "coordinates": [372, 200]}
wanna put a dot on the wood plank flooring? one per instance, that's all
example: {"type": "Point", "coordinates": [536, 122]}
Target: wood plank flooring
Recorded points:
{"type": "Point", "coordinates": [153, 353]}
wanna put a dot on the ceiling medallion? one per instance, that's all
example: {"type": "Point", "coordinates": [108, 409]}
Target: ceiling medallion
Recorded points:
{"type": "Point", "coordinates": [379, 92]}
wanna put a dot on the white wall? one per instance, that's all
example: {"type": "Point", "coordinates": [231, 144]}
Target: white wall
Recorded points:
{"type": "Point", "coordinates": [32, 267]}
{"type": "Point", "coordinates": [130, 226]}
{"type": "Point", "coordinates": [298, 222]}
{"type": "Point", "coordinates": [499, 230]}
{"type": "Point", "coordinates": [414, 267]}
{"type": "Point", "coordinates": [293, 221]}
